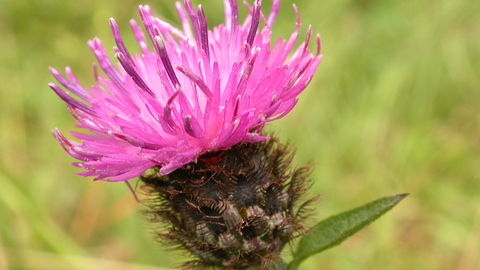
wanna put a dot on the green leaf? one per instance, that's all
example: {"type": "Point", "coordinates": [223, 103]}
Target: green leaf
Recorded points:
{"type": "Point", "coordinates": [336, 229]}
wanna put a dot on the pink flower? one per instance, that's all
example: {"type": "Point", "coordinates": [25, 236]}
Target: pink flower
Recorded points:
{"type": "Point", "coordinates": [197, 91]}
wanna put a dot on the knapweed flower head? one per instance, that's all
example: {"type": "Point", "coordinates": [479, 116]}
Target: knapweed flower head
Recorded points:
{"type": "Point", "coordinates": [189, 91]}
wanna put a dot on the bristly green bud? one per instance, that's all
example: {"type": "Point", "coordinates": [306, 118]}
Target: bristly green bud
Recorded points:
{"type": "Point", "coordinates": [233, 209]}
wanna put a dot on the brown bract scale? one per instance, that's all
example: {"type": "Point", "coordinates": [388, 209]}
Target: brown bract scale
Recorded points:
{"type": "Point", "coordinates": [233, 209]}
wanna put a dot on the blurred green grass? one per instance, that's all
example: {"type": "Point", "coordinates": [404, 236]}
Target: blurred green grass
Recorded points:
{"type": "Point", "coordinates": [393, 108]}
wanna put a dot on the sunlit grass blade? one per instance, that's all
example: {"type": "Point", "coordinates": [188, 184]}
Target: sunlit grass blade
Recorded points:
{"type": "Point", "coordinates": [15, 200]}
{"type": "Point", "coordinates": [336, 229]}
{"type": "Point", "coordinates": [38, 260]}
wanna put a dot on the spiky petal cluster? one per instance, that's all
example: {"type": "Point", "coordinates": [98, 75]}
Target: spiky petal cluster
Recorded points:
{"type": "Point", "coordinates": [197, 91]}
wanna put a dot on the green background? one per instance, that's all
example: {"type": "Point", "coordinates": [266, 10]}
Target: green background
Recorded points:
{"type": "Point", "coordinates": [394, 108]}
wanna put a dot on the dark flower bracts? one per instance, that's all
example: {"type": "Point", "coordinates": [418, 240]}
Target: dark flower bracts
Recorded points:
{"type": "Point", "coordinates": [232, 209]}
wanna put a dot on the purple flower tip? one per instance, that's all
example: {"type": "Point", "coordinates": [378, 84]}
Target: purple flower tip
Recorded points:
{"type": "Point", "coordinates": [198, 90]}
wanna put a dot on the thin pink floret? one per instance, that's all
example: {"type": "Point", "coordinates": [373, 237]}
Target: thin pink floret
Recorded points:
{"type": "Point", "coordinates": [195, 91]}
